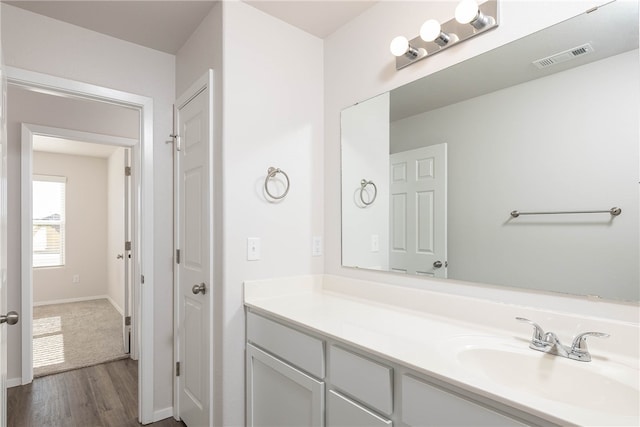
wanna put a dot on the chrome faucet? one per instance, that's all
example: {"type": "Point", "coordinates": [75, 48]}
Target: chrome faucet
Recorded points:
{"type": "Point", "coordinates": [548, 342]}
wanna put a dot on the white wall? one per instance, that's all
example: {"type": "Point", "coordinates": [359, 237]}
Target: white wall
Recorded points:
{"type": "Point", "coordinates": [365, 149]}
{"type": "Point", "coordinates": [358, 66]}
{"type": "Point", "coordinates": [85, 231]}
{"type": "Point", "coordinates": [547, 139]}
{"type": "Point", "coordinates": [202, 51]}
{"type": "Point", "coordinates": [273, 79]}
{"type": "Point", "coordinates": [115, 228]}
{"type": "Point", "coordinates": [41, 44]}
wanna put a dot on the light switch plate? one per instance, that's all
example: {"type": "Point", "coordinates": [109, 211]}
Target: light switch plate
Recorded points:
{"type": "Point", "coordinates": [253, 249]}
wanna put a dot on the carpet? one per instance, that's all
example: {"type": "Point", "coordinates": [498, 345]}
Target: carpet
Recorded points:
{"type": "Point", "coordinates": [75, 335]}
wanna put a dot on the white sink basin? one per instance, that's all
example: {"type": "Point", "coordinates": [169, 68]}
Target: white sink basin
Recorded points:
{"type": "Point", "coordinates": [599, 386]}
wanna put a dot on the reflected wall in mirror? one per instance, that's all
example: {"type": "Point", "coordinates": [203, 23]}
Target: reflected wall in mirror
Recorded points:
{"type": "Point", "coordinates": [452, 154]}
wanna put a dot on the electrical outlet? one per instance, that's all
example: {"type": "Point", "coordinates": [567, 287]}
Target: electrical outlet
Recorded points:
{"type": "Point", "coordinates": [76, 278]}
{"type": "Point", "coordinates": [253, 249]}
{"type": "Point", "coordinates": [375, 243]}
{"type": "Point", "coordinates": [316, 247]}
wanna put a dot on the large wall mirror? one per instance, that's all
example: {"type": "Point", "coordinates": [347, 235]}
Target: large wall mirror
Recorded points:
{"type": "Point", "coordinates": [549, 123]}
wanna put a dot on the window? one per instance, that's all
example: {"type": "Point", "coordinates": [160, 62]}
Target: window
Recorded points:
{"type": "Point", "coordinates": [48, 220]}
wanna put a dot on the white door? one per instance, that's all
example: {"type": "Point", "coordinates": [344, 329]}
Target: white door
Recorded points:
{"type": "Point", "coordinates": [418, 211]}
{"type": "Point", "coordinates": [194, 237]}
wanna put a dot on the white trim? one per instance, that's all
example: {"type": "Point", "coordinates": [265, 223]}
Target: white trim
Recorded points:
{"type": "Point", "coordinates": [14, 382]}
{"type": "Point", "coordinates": [76, 135]}
{"type": "Point", "coordinates": [142, 212]}
{"type": "Point", "coordinates": [163, 414]}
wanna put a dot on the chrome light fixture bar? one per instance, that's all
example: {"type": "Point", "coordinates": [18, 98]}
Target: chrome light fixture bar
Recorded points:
{"type": "Point", "coordinates": [471, 19]}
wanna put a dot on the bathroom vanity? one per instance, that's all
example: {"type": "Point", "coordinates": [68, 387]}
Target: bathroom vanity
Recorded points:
{"type": "Point", "coordinates": [325, 350]}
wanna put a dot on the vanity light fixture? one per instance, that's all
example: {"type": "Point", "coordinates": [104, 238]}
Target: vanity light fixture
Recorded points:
{"type": "Point", "coordinates": [471, 19]}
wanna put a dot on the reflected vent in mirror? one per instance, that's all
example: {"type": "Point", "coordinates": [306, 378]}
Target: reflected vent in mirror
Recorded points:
{"type": "Point", "coordinates": [563, 56]}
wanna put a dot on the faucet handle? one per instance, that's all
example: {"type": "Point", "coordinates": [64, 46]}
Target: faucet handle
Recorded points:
{"type": "Point", "coordinates": [580, 341]}
{"type": "Point", "coordinates": [538, 332]}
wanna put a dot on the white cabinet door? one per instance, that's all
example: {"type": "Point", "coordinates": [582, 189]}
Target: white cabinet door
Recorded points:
{"type": "Point", "coordinates": [343, 412]}
{"type": "Point", "coordinates": [279, 394]}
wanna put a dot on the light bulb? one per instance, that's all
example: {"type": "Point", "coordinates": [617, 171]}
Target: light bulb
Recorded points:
{"type": "Point", "coordinates": [466, 11]}
{"type": "Point", "coordinates": [399, 46]}
{"type": "Point", "coordinates": [430, 30]}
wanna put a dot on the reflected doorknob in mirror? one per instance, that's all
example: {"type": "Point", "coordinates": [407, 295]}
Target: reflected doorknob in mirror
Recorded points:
{"type": "Point", "coordinates": [201, 288]}
{"type": "Point", "coordinates": [11, 318]}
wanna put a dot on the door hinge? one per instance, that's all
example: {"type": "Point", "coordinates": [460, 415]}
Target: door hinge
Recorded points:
{"type": "Point", "coordinates": [177, 256]}
{"type": "Point", "coordinates": [176, 139]}
{"type": "Point", "coordinates": [127, 321]}
{"type": "Point", "coordinates": [127, 246]}
{"type": "Point", "coordinates": [177, 369]}
{"type": "Point", "coordinates": [127, 171]}
{"type": "Point", "coordinates": [142, 279]}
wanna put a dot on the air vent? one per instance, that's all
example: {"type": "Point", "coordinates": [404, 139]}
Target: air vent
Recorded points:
{"type": "Point", "coordinates": [563, 56]}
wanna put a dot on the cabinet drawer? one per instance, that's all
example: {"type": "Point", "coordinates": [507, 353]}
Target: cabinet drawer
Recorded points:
{"type": "Point", "coordinates": [299, 349]}
{"type": "Point", "coordinates": [365, 380]}
{"type": "Point", "coordinates": [426, 405]}
{"type": "Point", "coordinates": [342, 412]}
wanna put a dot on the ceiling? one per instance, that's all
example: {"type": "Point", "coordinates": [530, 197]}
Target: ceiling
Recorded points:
{"type": "Point", "coordinates": [167, 25]}
{"type": "Point", "coordinates": [320, 18]}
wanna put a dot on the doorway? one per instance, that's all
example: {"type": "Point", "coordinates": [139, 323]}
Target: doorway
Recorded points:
{"type": "Point", "coordinates": [81, 247]}
{"type": "Point", "coordinates": [142, 219]}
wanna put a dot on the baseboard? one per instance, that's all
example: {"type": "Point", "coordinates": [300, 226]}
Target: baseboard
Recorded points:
{"type": "Point", "coordinates": [63, 301]}
{"type": "Point", "coordinates": [163, 414]}
{"type": "Point", "coordinates": [14, 382]}
{"type": "Point", "coordinates": [116, 306]}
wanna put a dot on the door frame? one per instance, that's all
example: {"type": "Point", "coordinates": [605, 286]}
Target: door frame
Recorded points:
{"type": "Point", "coordinates": [205, 82]}
{"type": "Point", "coordinates": [29, 131]}
{"type": "Point", "coordinates": [143, 162]}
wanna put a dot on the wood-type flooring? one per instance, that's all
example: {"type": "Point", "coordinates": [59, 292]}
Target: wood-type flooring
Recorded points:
{"type": "Point", "coordinates": [103, 395]}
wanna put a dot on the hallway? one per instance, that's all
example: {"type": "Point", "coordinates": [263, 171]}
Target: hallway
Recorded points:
{"type": "Point", "coordinates": [98, 396]}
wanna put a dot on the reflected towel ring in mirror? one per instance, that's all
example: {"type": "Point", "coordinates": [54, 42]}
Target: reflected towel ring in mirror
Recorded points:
{"type": "Point", "coordinates": [271, 173]}
{"type": "Point", "coordinates": [363, 184]}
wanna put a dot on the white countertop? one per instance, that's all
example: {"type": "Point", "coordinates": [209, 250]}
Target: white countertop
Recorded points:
{"type": "Point", "coordinates": [425, 331]}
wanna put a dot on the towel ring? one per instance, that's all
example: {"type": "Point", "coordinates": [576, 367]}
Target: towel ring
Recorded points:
{"type": "Point", "coordinates": [271, 173]}
{"type": "Point", "coordinates": [363, 184]}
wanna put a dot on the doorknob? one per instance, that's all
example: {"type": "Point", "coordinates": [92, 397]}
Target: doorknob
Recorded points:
{"type": "Point", "coordinates": [10, 318]}
{"type": "Point", "coordinates": [119, 256]}
{"type": "Point", "coordinates": [201, 288]}
{"type": "Point", "coordinates": [438, 264]}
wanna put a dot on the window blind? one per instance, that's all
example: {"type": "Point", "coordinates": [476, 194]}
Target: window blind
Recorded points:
{"type": "Point", "coordinates": [48, 220]}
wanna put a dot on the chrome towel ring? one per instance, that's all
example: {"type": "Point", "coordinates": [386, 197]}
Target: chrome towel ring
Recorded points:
{"type": "Point", "coordinates": [363, 184]}
{"type": "Point", "coordinates": [271, 173]}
